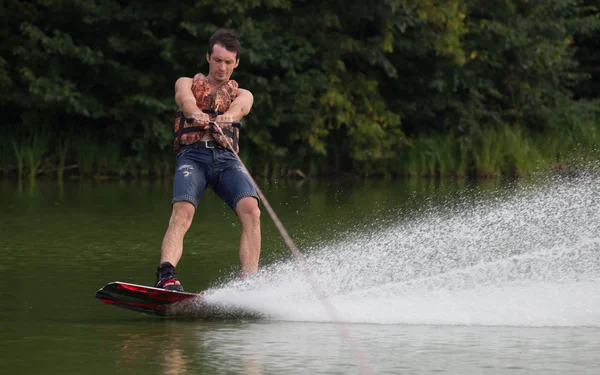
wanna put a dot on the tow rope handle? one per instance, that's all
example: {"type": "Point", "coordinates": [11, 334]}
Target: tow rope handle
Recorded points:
{"type": "Point", "coordinates": [235, 124]}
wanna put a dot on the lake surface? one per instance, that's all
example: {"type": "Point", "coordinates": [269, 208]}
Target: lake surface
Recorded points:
{"type": "Point", "coordinates": [453, 278]}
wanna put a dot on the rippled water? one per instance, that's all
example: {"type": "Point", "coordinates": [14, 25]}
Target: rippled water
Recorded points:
{"type": "Point", "coordinates": [458, 279]}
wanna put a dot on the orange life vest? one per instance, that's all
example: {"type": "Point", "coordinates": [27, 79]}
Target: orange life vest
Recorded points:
{"type": "Point", "coordinates": [213, 103]}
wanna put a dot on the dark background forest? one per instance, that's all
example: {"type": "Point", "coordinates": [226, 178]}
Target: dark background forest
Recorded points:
{"type": "Point", "coordinates": [394, 88]}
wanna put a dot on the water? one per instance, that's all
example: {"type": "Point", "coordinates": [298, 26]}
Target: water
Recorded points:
{"type": "Point", "coordinates": [530, 258]}
{"type": "Point", "coordinates": [451, 279]}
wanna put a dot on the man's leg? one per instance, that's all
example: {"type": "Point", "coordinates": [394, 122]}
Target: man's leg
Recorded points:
{"type": "Point", "coordinates": [172, 245]}
{"type": "Point", "coordinates": [249, 214]}
{"type": "Point", "coordinates": [235, 187]}
{"type": "Point", "coordinates": [180, 222]}
{"type": "Point", "coordinates": [189, 182]}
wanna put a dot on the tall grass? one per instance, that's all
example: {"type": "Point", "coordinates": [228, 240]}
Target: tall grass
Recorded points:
{"type": "Point", "coordinates": [494, 151]}
{"type": "Point", "coordinates": [162, 165]}
{"type": "Point", "coordinates": [420, 158]}
{"type": "Point", "coordinates": [62, 149]}
{"type": "Point", "coordinates": [499, 150]}
{"type": "Point", "coordinates": [108, 160]}
{"type": "Point", "coordinates": [34, 150]}
{"type": "Point", "coordinates": [522, 153]}
{"type": "Point", "coordinates": [86, 153]}
{"type": "Point", "coordinates": [433, 156]}
{"type": "Point", "coordinates": [19, 152]}
{"type": "Point", "coordinates": [569, 148]}
{"type": "Point", "coordinates": [488, 152]}
{"type": "Point", "coordinates": [131, 166]}
{"type": "Point", "coordinates": [6, 157]}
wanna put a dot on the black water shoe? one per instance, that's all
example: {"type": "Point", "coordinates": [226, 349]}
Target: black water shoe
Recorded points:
{"type": "Point", "coordinates": [166, 278]}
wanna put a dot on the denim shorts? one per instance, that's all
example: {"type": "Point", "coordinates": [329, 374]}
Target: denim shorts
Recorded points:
{"type": "Point", "coordinates": [198, 168]}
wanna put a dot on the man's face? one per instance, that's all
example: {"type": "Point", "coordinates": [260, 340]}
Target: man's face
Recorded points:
{"type": "Point", "coordinates": [221, 63]}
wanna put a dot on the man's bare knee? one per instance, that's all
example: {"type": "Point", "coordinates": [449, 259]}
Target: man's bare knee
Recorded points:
{"type": "Point", "coordinates": [182, 215]}
{"type": "Point", "coordinates": [248, 208]}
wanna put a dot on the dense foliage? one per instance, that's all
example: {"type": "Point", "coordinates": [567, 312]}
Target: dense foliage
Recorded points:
{"type": "Point", "coordinates": [393, 87]}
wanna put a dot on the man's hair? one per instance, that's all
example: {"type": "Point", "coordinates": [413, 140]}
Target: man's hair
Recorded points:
{"type": "Point", "coordinates": [226, 38]}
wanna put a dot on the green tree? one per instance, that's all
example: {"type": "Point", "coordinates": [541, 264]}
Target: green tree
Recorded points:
{"type": "Point", "coordinates": [337, 84]}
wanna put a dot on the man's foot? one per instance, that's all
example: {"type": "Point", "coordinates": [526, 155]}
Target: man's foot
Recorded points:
{"type": "Point", "coordinates": [166, 278]}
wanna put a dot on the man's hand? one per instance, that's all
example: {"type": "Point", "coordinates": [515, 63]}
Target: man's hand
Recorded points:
{"type": "Point", "coordinates": [226, 119]}
{"type": "Point", "coordinates": [200, 118]}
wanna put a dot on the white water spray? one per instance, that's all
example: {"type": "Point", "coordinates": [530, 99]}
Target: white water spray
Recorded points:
{"type": "Point", "coordinates": [528, 257]}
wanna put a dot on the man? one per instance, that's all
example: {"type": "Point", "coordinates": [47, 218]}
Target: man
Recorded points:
{"type": "Point", "coordinates": [205, 157]}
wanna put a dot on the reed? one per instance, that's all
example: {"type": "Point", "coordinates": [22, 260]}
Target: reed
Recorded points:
{"type": "Point", "coordinates": [6, 157]}
{"type": "Point", "coordinates": [144, 170]}
{"type": "Point", "coordinates": [144, 163]}
{"type": "Point", "coordinates": [447, 154]}
{"type": "Point", "coordinates": [430, 157]}
{"type": "Point", "coordinates": [314, 166]}
{"type": "Point", "coordinates": [35, 149]}
{"type": "Point", "coordinates": [521, 155]}
{"type": "Point", "coordinates": [86, 152]}
{"type": "Point", "coordinates": [587, 136]}
{"type": "Point", "coordinates": [19, 152]}
{"type": "Point", "coordinates": [464, 160]}
{"type": "Point", "coordinates": [62, 150]}
{"type": "Point", "coordinates": [488, 153]}
{"type": "Point", "coordinates": [108, 160]}
{"type": "Point", "coordinates": [131, 166]}
{"type": "Point", "coordinates": [161, 162]}
{"type": "Point", "coordinates": [412, 163]}
{"type": "Point", "coordinates": [568, 147]}
{"type": "Point", "coordinates": [162, 165]}
{"type": "Point", "coordinates": [414, 159]}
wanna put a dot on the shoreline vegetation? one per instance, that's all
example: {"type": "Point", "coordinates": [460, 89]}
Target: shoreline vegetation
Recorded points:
{"type": "Point", "coordinates": [421, 89]}
{"type": "Point", "coordinates": [507, 151]}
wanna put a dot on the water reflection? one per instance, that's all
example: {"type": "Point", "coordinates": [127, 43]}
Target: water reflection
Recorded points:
{"type": "Point", "coordinates": [182, 347]}
{"type": "Point", "coordinates": [192, 347]}
{"type": "Point", "coordinates": [188, 347]}
{"type": "Point", "coordinates": [159, 347]}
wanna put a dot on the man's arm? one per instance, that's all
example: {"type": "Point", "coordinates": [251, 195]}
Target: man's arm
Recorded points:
{"type": "Point", "coordinates": [239, 107]}
{"type": "Point", "coordinates": [184, 97]}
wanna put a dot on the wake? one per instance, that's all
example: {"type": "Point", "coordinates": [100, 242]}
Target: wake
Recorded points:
{"type": "Point", "coordinates": [529, 256]}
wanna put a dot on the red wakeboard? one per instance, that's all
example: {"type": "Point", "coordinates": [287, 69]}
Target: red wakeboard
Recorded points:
{"type": "Point", "coordinates": [147, 299]}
